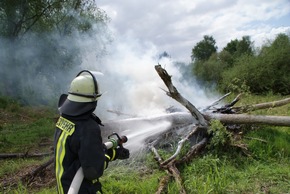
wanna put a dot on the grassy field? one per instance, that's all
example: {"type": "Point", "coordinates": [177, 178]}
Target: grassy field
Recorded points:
{"type": "Point", "coordinates": [264, 169]}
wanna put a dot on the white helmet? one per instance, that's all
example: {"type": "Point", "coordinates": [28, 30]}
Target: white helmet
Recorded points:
{"type": "Point", "coordinates": [85, 88]}
{"type": "Point", "coordinates": [82, 96]}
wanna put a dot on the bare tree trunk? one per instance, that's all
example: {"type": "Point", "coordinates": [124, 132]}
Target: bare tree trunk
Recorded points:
{"type": "Point", "coordinates": [247, 108]}
{"type": "Point", "coordinates": [249, 119]}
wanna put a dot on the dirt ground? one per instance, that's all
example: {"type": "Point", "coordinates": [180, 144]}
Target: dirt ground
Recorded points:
{"type": "Point", "coordinates": [31, 177]}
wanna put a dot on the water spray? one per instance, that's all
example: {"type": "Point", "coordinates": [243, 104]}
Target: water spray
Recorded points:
{"type": "Point", "coordinates": [78, 178]}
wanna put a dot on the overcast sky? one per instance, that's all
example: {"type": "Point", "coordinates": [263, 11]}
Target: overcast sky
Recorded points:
{"type": "Point", "coordinates": [175, 26]}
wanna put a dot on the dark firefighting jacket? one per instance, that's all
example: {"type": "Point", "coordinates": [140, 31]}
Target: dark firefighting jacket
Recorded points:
{"type": "Point", "coordinates": [78, 143]}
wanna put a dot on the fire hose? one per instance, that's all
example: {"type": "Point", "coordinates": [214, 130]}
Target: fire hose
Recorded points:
{"type": "Point", "coordinates": [78, 178]}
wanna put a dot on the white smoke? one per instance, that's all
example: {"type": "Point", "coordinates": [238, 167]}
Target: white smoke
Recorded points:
{"type": "Point", "coordinates": [130, 83]}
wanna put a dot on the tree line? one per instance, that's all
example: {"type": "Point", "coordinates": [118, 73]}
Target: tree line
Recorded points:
{"type": "Point", "coordinates": [241, 67]}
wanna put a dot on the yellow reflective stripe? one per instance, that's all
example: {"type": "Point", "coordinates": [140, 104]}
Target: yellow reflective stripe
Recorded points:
{"type": "Point", "coordinates": [108, 156]}
{"type": "Point", "coordinates": [114, 154]}
{"type": "Point", "coordinates": [58, 164]}
{"type": "Point", "coordinates": [60, 153]}
{"type": "Point", "coordinates": [68, 129]}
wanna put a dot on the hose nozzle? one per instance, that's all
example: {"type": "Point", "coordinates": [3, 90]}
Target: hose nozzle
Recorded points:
{"type": "Point", "coordinates": [123, 139]}
{"type": "Point", "coordinates": [119, 141]}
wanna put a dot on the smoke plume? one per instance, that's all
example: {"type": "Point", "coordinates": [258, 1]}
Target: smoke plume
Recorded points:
{"type": "Point", "coordinates": [130, 84]}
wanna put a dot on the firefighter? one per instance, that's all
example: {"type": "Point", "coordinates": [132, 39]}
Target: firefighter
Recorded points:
{"type": "Point", "coordinates": [77, 141]}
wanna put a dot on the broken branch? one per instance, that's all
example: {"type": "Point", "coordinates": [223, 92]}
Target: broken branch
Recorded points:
{"type": "Point", "coordinates": [180, 144]}
{"type": "Point", "coordinates": [170, 169]}
{"type": "Point", "coordinates": [173, 93]}
{"type": "Point", "coordinates": [194, 150]}
{"type": "Point", "coordinates": [215, 102]}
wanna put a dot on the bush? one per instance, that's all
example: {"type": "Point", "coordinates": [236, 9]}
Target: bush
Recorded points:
{"type": "Point", "coordinates": [267, 72]}
{"type": "Point", "coordinates": [210, 71]}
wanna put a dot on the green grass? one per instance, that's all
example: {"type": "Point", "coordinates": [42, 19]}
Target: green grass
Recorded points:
{"type": "Point", "coordinates": [276, 145]}
{"type": "Point", "coordinates": [22, 137]}
{"type": "Point", "coordinates": [265, 170]}
{"type": "Point", "coordinates": [22, 189]}
{"type": "Point", "coordinates": [11, 166]}
{"type": "Point", "coordinates": [22, 128]}
{"type": "Point", "coordinates": [126, 179]}
{"type": "Point", "coordinates": [213, 174]}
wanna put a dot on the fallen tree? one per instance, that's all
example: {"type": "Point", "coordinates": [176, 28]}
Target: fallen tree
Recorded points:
{"type": "Point", "coordinates": [226, 115]}
{"type": "Point", "coordinates": [249, 119]}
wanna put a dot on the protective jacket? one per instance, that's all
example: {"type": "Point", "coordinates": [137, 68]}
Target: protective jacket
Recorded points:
{"type": "Point", "coordinates": [78, 142]}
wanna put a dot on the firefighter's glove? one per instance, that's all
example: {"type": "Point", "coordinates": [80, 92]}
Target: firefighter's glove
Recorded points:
{"type": "Point", "coordinates": [122, 153]}
{"type": "Point", "coordinates": [111, 154]}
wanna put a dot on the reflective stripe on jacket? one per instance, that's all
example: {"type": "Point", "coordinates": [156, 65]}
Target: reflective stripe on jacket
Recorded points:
{"type": "Point", "coordinates": [78, 142]}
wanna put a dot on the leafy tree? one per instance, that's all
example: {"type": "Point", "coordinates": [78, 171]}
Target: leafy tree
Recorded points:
{"type": "Point", "coordinates": [275, 60]}
{"type": "Point", "coordinates": [237, 48]}
{"type": "Point", "coordinates": [39, 40]}
{"type": "Point", "coordinates": [243, 72]}
{"type": "Point", "coordinates": [244, 46]}
{"type": "Point", "coordinates": [210, 71]}
{"type": "Point", "coordinates": [19, 16]}
{"type": "Point", "coordinates": [204, 49]}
